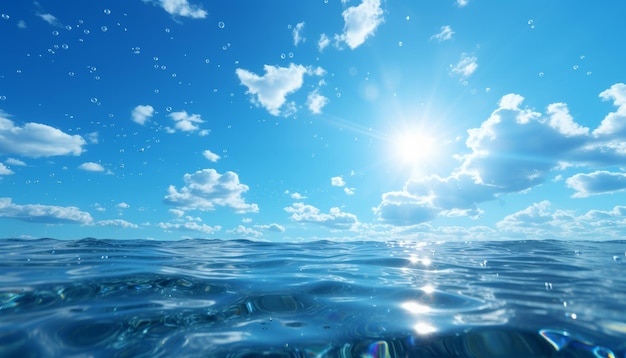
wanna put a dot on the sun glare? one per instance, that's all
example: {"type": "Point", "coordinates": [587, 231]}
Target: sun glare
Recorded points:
{"type": "Point", "coordinates": [412, 148]}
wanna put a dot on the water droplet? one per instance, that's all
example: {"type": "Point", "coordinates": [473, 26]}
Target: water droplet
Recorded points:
{"type": "Point", "coordinates": [465, 83]}
{"type": "Point", "coordinates": [167, 30]}
{"type": "Point", "coordinates": [155, 58]}
{"type": "Point", "coordinates": [582, 57]}
{"type": "Point", "coordinates": [156, 91]}
{"type": "Point", "coordinates": [399, 43]}
{"type": "Point", "coordinates": [5, 16]}
{"type": "Point", "coordinates": [86, 32]}
{"type": "Point", "coordinates": [3, 98]}
{"type": "Point", "coordinates": [65, 46]}
{"type": "Point", "coordinates": [68, 27]}
{"type": "Point", "coordinates": [221, 25]}
{"type": "Point", "coordinates": [71, 74]}
{"type": "Point", "coordinates": [540, 74]}
{"type": "Point", "coordinates": [94, 100]}
{"type": "Point", "coordinates": [530, 22]}
{"type": "Point", "coordinates": [338, 94]}
{"type": "Point", "coordinates": [408, 18]}
{"type": "Point", "coordinates": [487, 89]}
{"type": "Point", "coordinates": [290, 54]}
{"type": "Point", "coordinates": [207, 61]}
{"type": "Point", "coordinates": [107, 11]}
{"type": "Point", "coordinates": [164, 67]}
{"type": "Point", "coordinates": [588, 73]}
{"type": "Point", "coordinates": [104, 29]}
{"type": "Point", "coordinates": [325, 1]}
{"type": "Point", "coordinates": [575, 67]}
{"type": "Point", "coordinates": [169, 109]}
{"type": "Point", "coordinates": [283, 56]}
{"type": "Point", "coordinates": [173, 75]}
{"type": "Point", "coordinates": [55, 33]}
{"type": "Point", "coordinates": [18, 71]}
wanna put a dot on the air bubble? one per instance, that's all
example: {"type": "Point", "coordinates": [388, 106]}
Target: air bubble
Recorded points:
{"type": "Point", "coordinates": [5, 16]}
{"type": "Point", "coordinates": [156, 91]}
{"type": "Point", "coordinates": [155, 58]}
{"type": "Point", "coordinates": [408, 18]}
{"type": "Point", "coordinates": [283, 56]}
{"type": "Point", "coordinates": [3, 98]}
{"type": "Point", "coordinates": [399, 43]}
{"type": "Point", "coordinates": [207, 61]}
{"type": "Point", "coordinates": [107, 11]}
{"type": "Point", "coordinates": [487, 89]}
{"type": "Point", "coordinates": [575, 67]}
{"type": "Point", "coordinates": [221, 25]}
{"type": "Point", "coordinates": [169, 109]}
{"type": "Point", "coordinates": [465, 83]}
{"type": "Point", "coordinates": [86, 32]}
{"type": "Point", "coordinates": [588, 73]}
{"type": "Point", "coordinates": [68, 27]}
{"type": "Point", "coordinates": [104, 29]}
{"type": "Point", "coordinates": [65, 46]}
{"type": "Point", "coordinates": [71, 74]}
{"type": "Point", "coordinates": [167, 30]}
{"type": "Point", "coordinates": [55, 33]}
{"type": "Point", "coordinates": [290, 54]}
{"type": "Point", "coordinates": [173, 75]}
{"type": "Point", "coordinates": [338, 94]}
{"type": "Point", "coordinates": [164, 67]}
{"type": "Point", "coordinates": [541, 74]}
{"type": "Point", "coordinates": [582, 57]}
{"type": "Point", "coordinates": [136, 50]}
{"type": "Point", "coordinates": [94, 100]}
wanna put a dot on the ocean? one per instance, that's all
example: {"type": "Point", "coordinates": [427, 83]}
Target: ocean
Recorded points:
{"type": "Point", "coordinates": [238, 298]}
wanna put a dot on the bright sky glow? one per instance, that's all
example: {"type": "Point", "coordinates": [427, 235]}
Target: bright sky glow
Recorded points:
{"type": "Point", "coordinates": [294, 121]}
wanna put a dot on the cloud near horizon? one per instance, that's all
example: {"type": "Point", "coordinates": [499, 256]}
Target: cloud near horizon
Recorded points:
{"type": "Point", "coordinates": [47, 214]}
{"type": "Point", "coordinates": [335, 219]}
{"type": "Point", "coordinates": [514, 150]}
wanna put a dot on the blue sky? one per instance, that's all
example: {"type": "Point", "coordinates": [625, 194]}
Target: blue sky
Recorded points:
{"type": "Point", "coordinates": [290, 121]}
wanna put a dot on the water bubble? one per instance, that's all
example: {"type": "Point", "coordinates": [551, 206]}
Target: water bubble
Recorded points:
{"type": "Point", "coordinates": [71, 74]}
{"type": "Point", "coordinates": [224, 47]}
{"type": "Point", "coordinates": [169, 109]}
{"type": "Point", "coordinates": [107, 12]}
{"type": "Point", "coordinates": [68, 27]}
{"type": "Point", "coordinates": [531, 23]}
{"type": "Point", "coordinates": [465, 83]}
{"type": "Point", "coordinates": [487, 89]}
{"type": "Point", "coordinates": [207, 61]}
{"type": "Point", "coordinates": [290, 54]}
{"type": "Point", "coordinates": [325, 1]}
{"type": "Point", "coordinates": [221, 25]}
{"type": "Point", "coordinates": [575, 67]}
{"type": "Point", "coordinates": [156, 91]}
{"type": "Point", "coordinates": [65, 46]}
{"type": "Point", "coordinates": [283, 56]}
{"type": "Point", "coordinates": [167, 30]}
{"type": "Point", "coordinates": [104, 29]}
{"type": "Point", "coordinates": [92, 69]}
{"type": "Point", "coordinates": [86, 32]}
{"type": "Point", "coordinates": [97, 78]}
{"type": "Point", "coordinates": [173, 75]}
{"type": "Point", "coordinates": [94, 100]}
{"type": "Point", "coordinates": [289, 27]}
{"type": "Point", "coordinates": [55, 33]}
{"type": "Point", "coordinates": [338, 94]}
{"type": "Point", "coordinates": [155, 58]}
{"type": "Point", "coordinates": [5, 16]}
{"type": "Point", "coordinates": [408, 18]}
{"type": "Point", "coordinates": [582, 57]}
{"type": "Point", "coordinates": [588, 73]}
{"type": "Point", "coordinates": [18, 71]}
{"type": "Point", "coordinates": [3, 98]}
{"type": "Point", "coordinates": [399, 43]}
{"type": "Point", "coordinates": [541, 74]}
{"type": "Point", "coordinates": [164, 67]}
{"type": "Point", "coordinates": [136, 50]}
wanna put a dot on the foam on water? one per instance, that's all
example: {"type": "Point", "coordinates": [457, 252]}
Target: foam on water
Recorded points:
{"type": "Point", "coordinates": [321, 299]}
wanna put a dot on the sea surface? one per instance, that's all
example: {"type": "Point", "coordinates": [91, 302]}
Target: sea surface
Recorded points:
{"type": "Point", "coordinates": [213, 298]}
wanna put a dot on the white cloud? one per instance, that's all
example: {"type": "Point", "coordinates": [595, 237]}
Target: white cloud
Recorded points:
{"type": "Point", "coordinates": [348, 191]}
{"type": "Point", "coordinates": [180, 8]}
{"type": "Point", "coordinates": [272, 88]}
{"type": "Point", "coordinates": [462, 3]}
{"type": "Point", "coordinates": [614, 124]}
{"type": "Point", "coordinates": [402, 208]}
{"type": "Point", "coordinates": [37, 140]}
{"type": "Point", "coordinates": [443, 35]}
{"type": "Point", "coordinates": [337, 181]}
{"type": "Point", "coordinates": [21, 24]}
{"type": "Point", "coordinates": [50, 19]}
{"type": "Point", "coordinates": [4, 170]}
{"type": "Point", "coordinates": [206, 189]}
{"type": "Point", "coordinates": [177, 212]}
{"type": "Point", "coordinates": [91, 167]}
{"type": "Point", "coordinates": [316, 102]}
{"type": "Point", "coordinates": [142, 113]}
{"type": "Point", "coordinates": [323, 42]}
{"type": "Point", "coordinates": [186, 122]}
{"type": "Point", "coordinates": [48, 214]}
{"type": "Point", "coordinates": [210, 156]}
{"type": "Point", "coordinates": [466, 66]}
{"type": "Point", "coordinates": [117, 222]}
{"type": "Point", "coordinates": [13, 161]}
{"type": "Point", "coordinates": [598, 182]}
{"type": "Point", "coordinates": [360, 22]}
{"type": "Point", "coordinates": [296, 34]}
{"type": "Point", "coordinates": [271, 227]}
{"type": "Point", "coordinates": [335, 219]}
{"type": "Point", "coordinates": [123, 205]}
{"type": "Point", "coordinates": [93, 137]}
{"type": "Point", "coordinates": [298, 196]}
{"type": "Point", "coordinates": [243, 231]}
{"type": "Point", "coordinates": [189, 226]}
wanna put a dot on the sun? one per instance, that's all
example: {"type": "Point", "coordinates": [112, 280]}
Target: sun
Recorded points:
{"type": "Point", "coordinates": [412, 147]}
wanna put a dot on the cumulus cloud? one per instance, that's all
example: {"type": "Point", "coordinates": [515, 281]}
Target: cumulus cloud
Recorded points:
{"type": "Point", "coordinates": [123, 205]}
{"type": "Point", "coordinates": [206, 189]}
{"type": "Point", "coordinates": [91, 167]}
{"type": "Point", "coordinates": [185, 122]}
{"type": "Point", "coordinates": [316, 102]}
{"type": "Point", "coordinates": [210, 156]}
{"type": "Point", "coordinates": [180, 8]}
{"type": "Point", "coordinates": [4, 170]}
{"type": "Point", "coordinates": [296, 195]}
{"type": "Point", "coordinates": [243, 231]}
{"type": "Point", "coordinates": [296, 34]}
{"type": "Point", "coordinates": [271, 89]}
{"type": "Point", "coordinates": [189, 226]}
{"type": "Point", "coordinates": [335, 219]}
{"type": "Point", "coordinates": [271, 227]}
{"type": "Point", "coordinates": [360, 22]}
{"type": "Point", "coordinates": [614, 124]}
{"type": "Point", "coordinates": [443, 35]}
{"type": "Point", "coordinates": [349, 191]}
{"type": "Point", "coordinates": [598, 182]}
{"type": "Point", "coordinates": [37, 140]}
{"type": "Point", "coordinates": [512, 151]}
{"type": "Point", "coordinates": [142, 113]}
{"type": "Point", "coordinates": [48, 214]}
{"type": "Point", "coordinates": [323, 42]}
{"type": "Point", "coordinates": [337, 181]}
{"type": "Point", "coordinates": [466, 66]}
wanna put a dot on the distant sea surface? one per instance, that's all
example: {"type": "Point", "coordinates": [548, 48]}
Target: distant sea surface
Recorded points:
{"type": "Point", "coordinates": [212, 298]}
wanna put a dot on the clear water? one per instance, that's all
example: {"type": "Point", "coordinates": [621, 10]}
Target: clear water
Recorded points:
{"type": "Point", "coordinates": [105, 298]}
